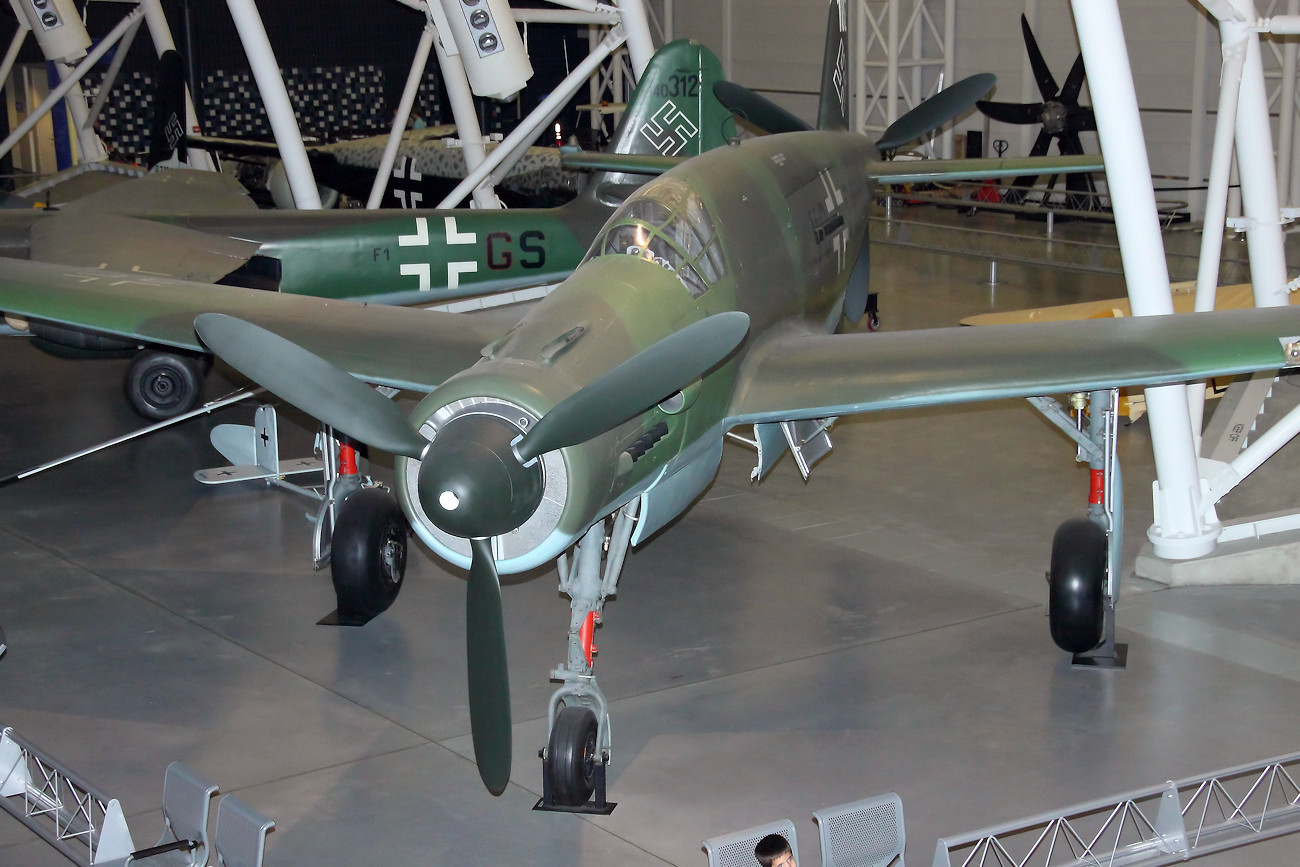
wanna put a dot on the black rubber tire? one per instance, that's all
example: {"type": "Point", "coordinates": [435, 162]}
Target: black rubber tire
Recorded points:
{"type": "Point", "coordinates": [163, 385]}
{"type": "Point", "coordinates": [573, 753]}
{"type": "Point", "coordinates": [1077, 586]}
{"type": "Point", "coordinates": [367, 555]}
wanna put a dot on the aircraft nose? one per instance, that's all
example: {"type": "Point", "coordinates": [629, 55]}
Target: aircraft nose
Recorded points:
{"type": "Point", "coordinates": [470, 482]}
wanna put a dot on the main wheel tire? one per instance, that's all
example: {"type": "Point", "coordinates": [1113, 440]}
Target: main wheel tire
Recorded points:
{"type": "Point", "coordinates": [573, 752]}
{"type": "Point", "coordinates": [1077, 586]}
{"type": "Point", "coordinates": [163, 385]}
{"type": "Point", "coordinates": [367, 555]}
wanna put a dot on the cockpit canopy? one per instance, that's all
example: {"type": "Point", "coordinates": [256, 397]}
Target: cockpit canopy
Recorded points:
{"type": "Point", "coordinates": [667, 223]}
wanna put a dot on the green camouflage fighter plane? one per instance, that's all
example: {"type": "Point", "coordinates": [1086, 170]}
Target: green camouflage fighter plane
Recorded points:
{"type": "Point", "coordinates": [201, 226]}
{"type": "Point", "coordinates": [708, 301]}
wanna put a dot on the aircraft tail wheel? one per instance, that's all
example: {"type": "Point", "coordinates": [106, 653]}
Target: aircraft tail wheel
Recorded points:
{"type": "Point", "coordinates": [368, 555]}
{"type": "Point", "coordinates": [1077, 586]}
{"type": "Point", "coordinates": [163, 385]}
{"type": "Point", "coordinates": [573, 754]}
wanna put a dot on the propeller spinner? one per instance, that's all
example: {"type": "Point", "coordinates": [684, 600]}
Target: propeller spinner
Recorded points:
{"type": "Point", "coordinates": [478, 478]}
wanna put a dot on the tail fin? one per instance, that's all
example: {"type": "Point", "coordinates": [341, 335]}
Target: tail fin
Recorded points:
{"type": "Point", "coordinates": [833, 108]}
{"type": "Point", "coordinates": [673, 111]}
{"type": "Point", "coordinates": [167, 133]}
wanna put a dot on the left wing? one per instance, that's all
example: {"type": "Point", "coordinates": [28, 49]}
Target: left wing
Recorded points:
{"type": "Point", "coordinates": [813, 376]}
{"type": "Point", "coordinates": [398, 346]}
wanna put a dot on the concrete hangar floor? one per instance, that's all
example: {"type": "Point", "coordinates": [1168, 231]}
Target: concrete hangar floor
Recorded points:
{"type": "Point", "coordinates": [781, 648]}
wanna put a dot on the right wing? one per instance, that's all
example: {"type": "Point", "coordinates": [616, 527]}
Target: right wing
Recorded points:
{"type": "Point", "coordinates": [801, 375]}
{"type": "Point", "coordinates": [929, 171]}
{"type": "Point", "coordinates": [398, 346]}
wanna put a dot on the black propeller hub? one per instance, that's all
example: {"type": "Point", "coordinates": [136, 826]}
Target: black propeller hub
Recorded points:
{"type": "Point", "coordinates": [472, 485]}
{"type": "Point", "coordinates": [1055, 118]}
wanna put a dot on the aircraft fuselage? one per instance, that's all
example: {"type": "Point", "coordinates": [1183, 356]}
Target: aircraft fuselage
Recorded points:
{"type": "Point", "coordinates": [795, 211]}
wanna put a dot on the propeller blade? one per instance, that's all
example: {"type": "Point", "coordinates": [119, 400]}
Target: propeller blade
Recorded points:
{"type": "Point", "coordinates": [643, 380]}
{"type": "Point", "coordinates": [1041, 144]}
{"type": "Point", "coordinates": [1082, 119]}
{"type": "Point", "coordinates": [1011, 112]}
{"type": "Point", "coordinates": [757, 109]}
{"type": "Point", "coordinates": [1070, 144]}
{"type": "Point", "coordinates": [489, 679]}
{"type": "Point", "coordinates": [1046, 83]}
{"type": "Point", "coordinates": [1073, 83]}
{"type": "Point", "coordinates": [310, 383]}
{"type": "Point", "coordinates": [936, 111]}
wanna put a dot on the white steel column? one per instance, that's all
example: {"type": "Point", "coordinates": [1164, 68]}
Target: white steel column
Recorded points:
{"type": "Point", "coordinates": [636, 28]}
{"type": "Point", "coordinates": [1184, 528]}
{"type": "Point", "coordinates": [385, 171]}
{"type": "Point", "coordinates": [1255, 166]}
{"type": "Point", "coordinates": [276, 100]}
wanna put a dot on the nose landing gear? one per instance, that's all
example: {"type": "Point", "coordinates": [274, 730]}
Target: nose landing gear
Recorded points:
{"type": "Point", "coordinates": [577, 751]}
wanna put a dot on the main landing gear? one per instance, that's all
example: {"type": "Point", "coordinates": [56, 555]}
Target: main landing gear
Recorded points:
{"type": "Point", "coordinates": [161, 385]}
{"type": "Point", "coordinates": [362, 533]}
{"type": "Point", "coordinates": [577, 749]}
{"type": "Point", "coordinates": [1083, 579]}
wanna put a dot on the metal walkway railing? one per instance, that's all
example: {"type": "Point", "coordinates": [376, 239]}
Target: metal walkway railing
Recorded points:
{"type": "Point", "coordinates": [1161, 825]}
{"type": "Point", "coordinates": [86, 826]}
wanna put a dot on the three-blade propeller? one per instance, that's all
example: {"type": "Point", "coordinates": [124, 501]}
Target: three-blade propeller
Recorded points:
{"type": "Point", "coordinates": [478, 478]}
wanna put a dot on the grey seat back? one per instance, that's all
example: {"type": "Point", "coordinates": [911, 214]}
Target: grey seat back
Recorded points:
{"type": "Point", "coordinates": [866, 833]}
{"type": "Point", "coordinates": [737, 849]}
{"type": "Point", "coordinates": [187, 797]}
{"type": "Point", "coordinates": [241, 833]}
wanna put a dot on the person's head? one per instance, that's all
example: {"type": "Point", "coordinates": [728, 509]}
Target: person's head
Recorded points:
{"type": "Point", "coordinates": [774, 851]}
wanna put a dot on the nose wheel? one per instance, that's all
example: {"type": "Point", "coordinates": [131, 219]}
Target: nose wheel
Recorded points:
{"type": "Point", "coordinates": [578, 751]}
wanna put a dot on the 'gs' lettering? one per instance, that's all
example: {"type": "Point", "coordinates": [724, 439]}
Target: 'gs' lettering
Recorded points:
{"type": "Point", "coordinates": [500, 250]}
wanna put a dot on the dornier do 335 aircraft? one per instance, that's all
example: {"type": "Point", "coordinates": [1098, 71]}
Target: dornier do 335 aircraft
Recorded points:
{"type": "Point", "coordinates": [708, 301]}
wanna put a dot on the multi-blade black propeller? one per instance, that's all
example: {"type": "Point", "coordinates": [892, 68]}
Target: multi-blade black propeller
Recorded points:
{"type": "Point", "coordinates": [1060, 114]}
{"type": "Point", "coordinates": [478, 479]}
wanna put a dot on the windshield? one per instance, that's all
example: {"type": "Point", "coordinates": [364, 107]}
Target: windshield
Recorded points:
{"type": "Point", "coordinates": [667, 224]}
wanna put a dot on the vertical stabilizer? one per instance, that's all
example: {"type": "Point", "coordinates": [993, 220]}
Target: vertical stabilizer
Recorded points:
{"type": "Point", "coordinates": [673, 111]}
{"type": "Point", "coordinates": [167, 133]}
{"type": "Point", "coordinates": [833, 107]}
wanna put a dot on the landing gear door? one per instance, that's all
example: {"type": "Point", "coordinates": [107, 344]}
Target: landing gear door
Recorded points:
{"type": "Point", "coordinates": [770, 439]}
{"type": "Point", "coordinates": [809, 441]}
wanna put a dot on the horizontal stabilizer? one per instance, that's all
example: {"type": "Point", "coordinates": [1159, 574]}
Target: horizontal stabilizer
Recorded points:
{"type": "Point", "coordinates": [637, 164]}
{"type": "Point", "coordinates": [929, 171]}
{"type": "Point", "coordinates": [248, 473]}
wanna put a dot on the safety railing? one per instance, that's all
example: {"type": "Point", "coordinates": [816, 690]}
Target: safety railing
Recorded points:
{"type": "Point", "coordinates": [81, 822]}
{"type": "Point", "coordinates": [1161, 825]}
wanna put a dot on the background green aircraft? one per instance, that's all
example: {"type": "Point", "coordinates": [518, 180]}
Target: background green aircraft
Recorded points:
{"type": "Point", "coordinates": [708, 301]}
{"type": "Point", "coordinates": [202, 226]}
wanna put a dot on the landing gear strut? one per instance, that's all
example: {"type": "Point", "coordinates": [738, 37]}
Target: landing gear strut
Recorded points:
{"type": "Point", "coordinates": [1083, 580]}
{"type": "Point", "coordinates": [578, 751]}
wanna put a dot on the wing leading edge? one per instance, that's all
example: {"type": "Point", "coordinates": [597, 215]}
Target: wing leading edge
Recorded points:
{"type": "Point", "coordinates": [813, 376]}
{"type": "Point", "coordinates": [398, 346]}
